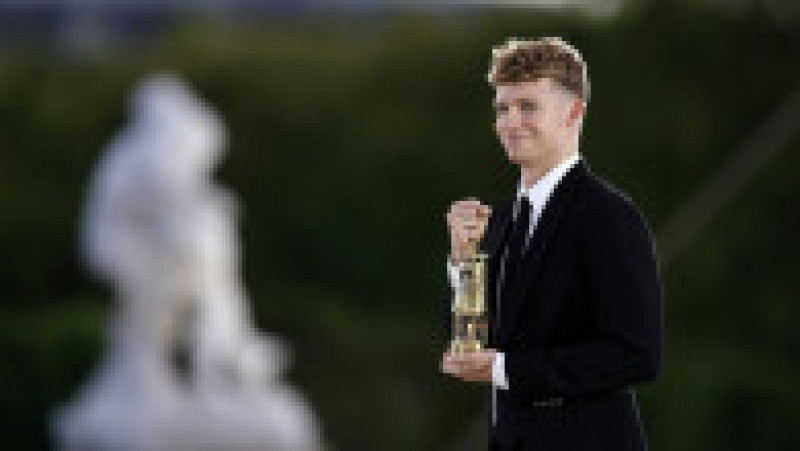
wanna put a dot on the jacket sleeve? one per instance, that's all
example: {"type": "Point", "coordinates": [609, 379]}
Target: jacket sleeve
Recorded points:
{"type": "Point", "coordinates": [624, 295]}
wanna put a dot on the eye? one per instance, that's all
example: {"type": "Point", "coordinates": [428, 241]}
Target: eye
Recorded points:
{"type": "Point", "coordinates": [500, 109]}
{"type": "Point", "coordinates": [528, 106]}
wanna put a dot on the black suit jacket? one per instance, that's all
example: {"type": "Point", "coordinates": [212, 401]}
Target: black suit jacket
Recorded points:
{"type": "Point", "coordinates": [580, 322]}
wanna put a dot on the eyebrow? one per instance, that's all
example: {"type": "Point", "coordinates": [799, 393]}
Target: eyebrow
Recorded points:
{"type": "Point", "coordinates": [496, 102]}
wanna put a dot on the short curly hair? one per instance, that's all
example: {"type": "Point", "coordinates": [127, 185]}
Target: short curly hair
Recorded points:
{"type": "Point", "coordinates": [520, 60]}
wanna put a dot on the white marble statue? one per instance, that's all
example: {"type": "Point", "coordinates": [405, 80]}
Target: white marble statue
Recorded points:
{"type": "Point", "coordinates": [162, 233]}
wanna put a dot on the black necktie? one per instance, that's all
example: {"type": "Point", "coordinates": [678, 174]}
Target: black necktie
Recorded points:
{"type": "Point", "coordinates": [519, 232]}
{"type": "Point", "coordinates": [511, 256]}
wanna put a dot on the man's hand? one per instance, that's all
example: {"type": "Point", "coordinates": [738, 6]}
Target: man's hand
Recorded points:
{"type": "Point", "coordinates": [470, 366]}
{"type": "Point", "coordinates": [466, 221]}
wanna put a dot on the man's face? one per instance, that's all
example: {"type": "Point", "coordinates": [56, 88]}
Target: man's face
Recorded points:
{"type": "Point", "coordinates": [535, 120]}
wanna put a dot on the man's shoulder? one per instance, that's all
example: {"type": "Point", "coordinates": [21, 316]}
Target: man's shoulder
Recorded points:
{"type": "Point", "coordinates": [601, 198]}
{"type": "Point", "coordinates": [601, 190]}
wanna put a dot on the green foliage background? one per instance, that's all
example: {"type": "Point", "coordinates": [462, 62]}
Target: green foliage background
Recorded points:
{"type": "Point", "coordinates": [348, 138]}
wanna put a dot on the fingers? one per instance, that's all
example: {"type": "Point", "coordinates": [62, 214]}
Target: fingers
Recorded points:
{"type": "Point", "coordinates": [447, 365]}
{"type": "Point", "coordinates": [469, 209]}
{"type": "Point", "coordinates": [467, 220]}
{"type": "Point", "coordinates": [470, 367]}
{"type": "Point", "coordinates": [468, 362]}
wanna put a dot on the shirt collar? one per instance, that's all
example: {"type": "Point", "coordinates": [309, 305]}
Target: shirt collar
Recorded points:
{"type": "Point", "coordinates": [540, 192]}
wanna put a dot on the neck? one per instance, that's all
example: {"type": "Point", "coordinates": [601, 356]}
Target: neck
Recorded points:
{"type": "Point", "coordinates": [533, 171]}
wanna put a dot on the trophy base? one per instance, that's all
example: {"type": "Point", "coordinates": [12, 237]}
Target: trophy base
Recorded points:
{"type": "Point", "coordinates": [465, 346]}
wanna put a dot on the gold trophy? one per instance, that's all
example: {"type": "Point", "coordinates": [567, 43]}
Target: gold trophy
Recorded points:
{"type": "Point", "coordinates": [470, 325]}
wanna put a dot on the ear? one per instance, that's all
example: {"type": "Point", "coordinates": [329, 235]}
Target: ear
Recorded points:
{"type": "Point", "coordinates": [576, 110]}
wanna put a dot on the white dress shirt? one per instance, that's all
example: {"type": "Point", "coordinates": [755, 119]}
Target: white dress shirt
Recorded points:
{"type": "Point", "coordinates": [537, 195]}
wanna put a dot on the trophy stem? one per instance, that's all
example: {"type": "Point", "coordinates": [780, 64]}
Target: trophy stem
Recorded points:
{"type": "Point", "coordinates": [470, 323]}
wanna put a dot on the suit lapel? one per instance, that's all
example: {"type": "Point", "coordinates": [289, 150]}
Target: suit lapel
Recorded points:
{"type": "Point", "coordinates": [554, 211]}
{"type": "Point", "coordinates": [495, 239]}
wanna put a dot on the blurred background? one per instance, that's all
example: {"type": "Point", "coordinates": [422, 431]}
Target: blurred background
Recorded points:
{"type": "Point", "coordinates": [351, 128]}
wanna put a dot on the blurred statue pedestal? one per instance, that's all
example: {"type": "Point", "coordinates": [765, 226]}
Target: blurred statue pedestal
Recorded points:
{"type": "Point", "coordinates": [185, 368]}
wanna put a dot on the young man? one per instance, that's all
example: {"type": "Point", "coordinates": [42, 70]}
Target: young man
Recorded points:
{"type": "Point", "coordinates": [574, 293]}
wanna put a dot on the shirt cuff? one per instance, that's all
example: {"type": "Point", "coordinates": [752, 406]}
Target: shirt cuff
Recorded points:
{"type": "Point", "coordinates": [452, 273]}
{"type": "Point", "coordinates": [499, 377]}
